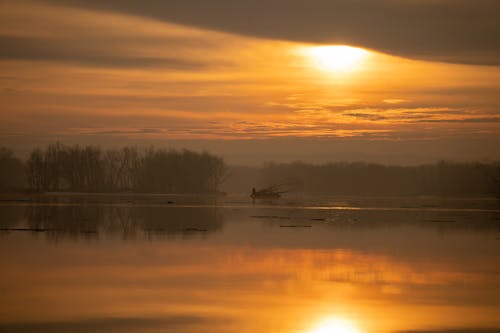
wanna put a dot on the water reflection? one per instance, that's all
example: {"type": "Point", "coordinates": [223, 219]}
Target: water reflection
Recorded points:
{"type": "Point", "coordinates": [155, 219]}
{"type": "Point", "coordinates": [233, 268]}
{"type": "Point", "coordinates": [335, 325]}
{"type": "Point", "coordinates": [74, 221]}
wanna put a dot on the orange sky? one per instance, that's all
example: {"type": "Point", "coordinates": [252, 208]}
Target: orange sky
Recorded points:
{"type": "Point", "coordinates": [88, 75]}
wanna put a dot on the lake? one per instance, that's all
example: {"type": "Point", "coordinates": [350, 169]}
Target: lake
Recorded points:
{"type": "Point", "coordinates": [154, 263]}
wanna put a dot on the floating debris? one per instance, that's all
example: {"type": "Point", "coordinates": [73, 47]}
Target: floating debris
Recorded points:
{"type": "Point", "coordinates": [89, 232]}
{"type": "Point", "coordinates": [271, 217]}
{"type": "Point", "coordinates": [17, 200]}
{"type": "Point", "coordinates": [196, 230]}
{"type": "Point", "coordinates": [441, 221]}
{"type": "Point", "coordinates": [295, 226]}
{"type": "Point", "coordinates": [29, 229]}
{"type": "Point", "coordinates": [189, 229]}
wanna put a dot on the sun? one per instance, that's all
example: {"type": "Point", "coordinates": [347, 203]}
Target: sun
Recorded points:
{"type": "Point", "coordinates": [335, 326]}
{"type": "Point", "coordinates": [338, 58]}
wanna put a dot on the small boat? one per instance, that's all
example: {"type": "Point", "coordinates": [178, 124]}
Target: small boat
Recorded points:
{"type": "Point", "coordinates": [274, 191]}
{"type": "Point", "coordinates": [266, 193]}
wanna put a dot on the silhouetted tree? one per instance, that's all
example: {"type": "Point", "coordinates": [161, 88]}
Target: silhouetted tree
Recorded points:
{"type": "Point", "coordinates": [121, 167]}
{"type": "Point", "coordinates": [171, 171]}
{"type": "Point", "coordinates": [496, 180]}
{"type": "Point", "coordinates": [12, 176]}
{"type": "Point", "coordinates": [36, 171]}
{"type": "Point", "coordinates": [89, 169]}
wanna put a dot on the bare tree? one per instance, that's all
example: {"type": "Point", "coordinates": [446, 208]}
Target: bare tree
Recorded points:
{"type": "Point", "coordinates": [12, 176]}
{"type": "Point", "coordinates": [35, 171]}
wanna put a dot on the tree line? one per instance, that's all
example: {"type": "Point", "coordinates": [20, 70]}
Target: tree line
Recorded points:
{"type": "Point", "coordinates": [59, 167]}
{"type": "Point", "coordinates": [440, 179]}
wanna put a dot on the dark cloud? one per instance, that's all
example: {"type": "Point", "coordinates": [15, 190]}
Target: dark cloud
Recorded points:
{"type": "Point", "coordinates": [167, 323]}
{"type": "Point", "coordinates": [457, 330]}
{"type": "Point", "coordinates": [462, 31]}
{"type": "Point", "coordinates": [464, 120]}
{"type": "Point", "coordinates": [80, 52]}
{"type": "Point", "coordinates": [368, 116]}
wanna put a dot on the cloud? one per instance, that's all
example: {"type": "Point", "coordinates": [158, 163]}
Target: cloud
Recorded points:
{"type": "Point", "coordinates": [367, 116]}
{"type": "Point", "coordinates": [394, 100]}
{"type": "Point", "coordinates": [457, 330]}
{"type": "Point", "coordinates": [181, 323]}
{"type": "Point", "coordinates": [457, 31]}
{"type": "Point", "coordinates": [72, 51]}
{"type": "Point", "coordinates": [464, 120]}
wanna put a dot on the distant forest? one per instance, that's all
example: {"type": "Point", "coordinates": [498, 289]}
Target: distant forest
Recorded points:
{"type": "Point", "coordinates": [439, 179]}
{"type": "Point", "coordinates": [59, 167]}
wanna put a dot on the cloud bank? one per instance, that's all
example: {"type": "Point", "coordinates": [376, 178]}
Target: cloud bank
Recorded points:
{"type": "Point", "coordinates": [458, 31]}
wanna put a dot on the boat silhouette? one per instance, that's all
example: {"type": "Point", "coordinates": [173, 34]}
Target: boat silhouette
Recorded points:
{"type": "Point", "coordinates": [271, 192]}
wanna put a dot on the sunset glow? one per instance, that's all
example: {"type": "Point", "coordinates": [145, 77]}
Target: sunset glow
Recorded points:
{"type": "Point", "coordinates": [282, 166]}
{"type": "Point", "coordinates": [338, 58]}
{"type": "Point", "coordinates": [160, 80]}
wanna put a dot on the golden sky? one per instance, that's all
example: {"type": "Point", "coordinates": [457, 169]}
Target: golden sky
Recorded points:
{"type": "Point", "coordinates": [87, 74]}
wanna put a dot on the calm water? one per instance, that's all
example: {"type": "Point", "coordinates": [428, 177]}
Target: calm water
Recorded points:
{"type": "Point", "coordinates": [191, 264]}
